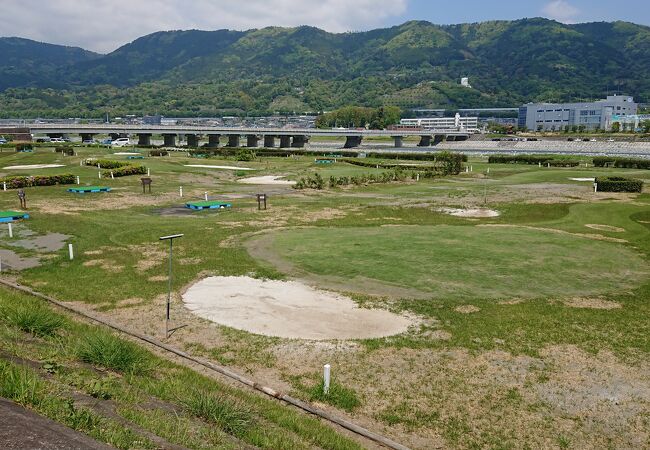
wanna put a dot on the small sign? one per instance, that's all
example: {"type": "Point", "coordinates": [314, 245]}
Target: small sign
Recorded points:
{"type": "Point", "coordinates": [261, 199]}
{"type": "Point", "coordinates": [146, 181]}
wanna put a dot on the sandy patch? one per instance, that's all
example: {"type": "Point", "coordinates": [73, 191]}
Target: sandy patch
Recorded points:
{"type": "Point", "coordinates": [591, 303]}
{"type": "Point", "coordinates": [157, 278]}
{"type": "Point", "coordinates": [268, 179]}
{"type": "Point", "coordinates": [515, 301]}
{"type": "Point", "coordinates": [35, 166]}
{"type": "Point", "coordinates": [104, 264]}
{"type": "Point", "coordinates": [477, 213]}
{"type": "Point", "coordinates": [600, 227]}
{"type": "Point", "coordinates": [467, 309]}
{"type": "Point", "coordinates": [583, 179]}
{"type": "Point", "coordinates": [189, 261]}
{"type": "Point", "coordinates": [127, 153]}
{"type": "Point", "coordinates": [288, 309]}
{"type": "Point", "coordinates": [93, 252]}
{"type": "Point", "coordinates": [151, 255]}
{"type": "Point", "coordinates": [207, 166]}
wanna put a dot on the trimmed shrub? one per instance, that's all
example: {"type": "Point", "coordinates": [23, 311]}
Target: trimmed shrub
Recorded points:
{"type": "Point", "coordinates": [106, 163]}
{"type": "Point", "coordinates": [533, 159]}
{"type": "Point", "coordinates": [24, 147]}
{"type": "Point", "coordinates": [65, 150]}
{"type": "Point", "coordinates": [618, 184]}
{"type": "Point", "coordinates": [245, 154]}
{"type": "Point", "coordinates": [158, 153]}
{"type": "Point", "coordinates": [126, 171]}
{"type": "Point", "coordinates": [625, 163]}
{"type": "Point", "coordinates": [40, 180]}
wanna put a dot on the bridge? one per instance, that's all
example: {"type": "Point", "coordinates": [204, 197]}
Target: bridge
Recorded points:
{"type": "Point", "coordinates": [297, 138]}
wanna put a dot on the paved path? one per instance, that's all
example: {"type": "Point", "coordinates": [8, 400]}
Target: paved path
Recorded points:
{"type": "Point", "coordinates": [22, 429]}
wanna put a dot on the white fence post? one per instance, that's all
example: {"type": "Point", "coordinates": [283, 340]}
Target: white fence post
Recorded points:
{"type": "Point", "coordinates": [326, 379]}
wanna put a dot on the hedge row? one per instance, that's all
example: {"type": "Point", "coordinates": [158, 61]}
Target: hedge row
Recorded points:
{"type": "Point", "coordinates": [618, 184]}
{"type": "Point", "coordinates": [158, 153]}
{"type": "Point", "coordinates": [627, 163]}
{"type": "Point", "coordinates": [22, 182]}
{"type": "Point", "coordinates": [106, 163]}
{"type": "Point", "coordinates": [363, 163]}
{"type": "Point", "coordinates": [66, 150]}
{"type": "Point", "coordinates": [125, 171]}
{"type": "Point", "coordinates": [317, 182]}
{"type": "Point", "coordinates": [532, 159]}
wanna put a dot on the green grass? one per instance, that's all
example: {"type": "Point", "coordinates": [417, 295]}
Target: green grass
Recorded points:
{"type": "Point", "coordinates": [338, 395]}
{"type": "Point", "coordinates": [33, 318]}
{"type": "Point", "coordinates": [233, 418]}
{"type": "Point", "coordinates": [103, 349]}
{"type": "Point", "coordinates": [467, 262]}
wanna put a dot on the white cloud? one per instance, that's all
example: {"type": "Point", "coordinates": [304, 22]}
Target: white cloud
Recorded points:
{"type": "Point", "coordinates": [103, 25]}
{"type": "Point", "coordinates": [561, 10]}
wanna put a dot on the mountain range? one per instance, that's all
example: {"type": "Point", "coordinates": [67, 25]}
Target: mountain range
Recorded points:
{"type": "Point", "coordinates": [413, 65]}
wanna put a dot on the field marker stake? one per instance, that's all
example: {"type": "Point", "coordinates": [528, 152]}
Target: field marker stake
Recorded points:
{"type": "Point", "coordinates": [326, 379]}
{"type": "Point", "coordinates": [205, 194]}
{"type": "Point", "coordinates": [112, 178]}
{"type": "Point", "coordinates": [11, 231]}
{"type": "Point", "coordinates": [70, 252]}
{"type": "Point", "coordinates": [99, 174]}
{"type": "Point", "coordinates": [180, 191]}
{"type": "Point", "coordinates": [78, 179]}
{"type": "Point", "coordinates": [148, 172]}
{"type": "Point", "coordinates": [4, 186]}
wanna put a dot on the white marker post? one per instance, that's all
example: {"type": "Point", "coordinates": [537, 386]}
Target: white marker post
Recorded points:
{"type": "Point", "coordinates": [180, 191]}
{"type": "Point", "coordinates": [99, 174]}
{"type": "Point", "coordinates": [78, 180]}
{"type": "Point", "coordinates": [148, 171]}
{"type": "Point", "coordinates": [71, 252]}
{"type": "Point", "coordinates": [112, 177]}
{"type": "Point", "coordinates": [4, 186]}
{"type": "Point", "coordinates": [326, 379]}
{"type": "Point", "coordinates": [488, 170]}
{"type": "Point", "coordinates": [11, 231]}
{"type": "Point", "coordinates": [205, 194]}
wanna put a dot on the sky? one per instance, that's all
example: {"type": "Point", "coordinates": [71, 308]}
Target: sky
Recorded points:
{"type": "Point", "coordinates": [104, 25]}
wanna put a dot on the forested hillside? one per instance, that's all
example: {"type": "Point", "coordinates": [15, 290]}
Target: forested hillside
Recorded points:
{"type": "Point", "coordinates": [416, 64]}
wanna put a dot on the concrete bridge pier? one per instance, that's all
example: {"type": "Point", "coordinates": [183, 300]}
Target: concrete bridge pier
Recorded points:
{"type": "Point", "coordinates": [269, 141]}
{"type": "Point", "coordinates": [398, 141]}
{"type": "Point", "coordinates": [213, 140]}
{"type": "Point", "coordinates": [425, 141]}
{"type": "Point", "coordinates": [462, 137]}
{"type": "Point", "coordinates": [352, 141]}
{"type": "Point", "coordinates": [192, 140]}
{"type": "Point", "coordinates": [144, 139]}
{"type": "Point", "coordinates": [252, 140]}
{"type": "Point", "coordinates": [170, 140]}
{"type": "Point", "coordinates": [233, 140]}
{"type": "Point", "coordinates": [285, 141]}
{"type": "Point", "coordinates": [299, 141]}
{"type": "Point", "coordinates": [54, 135]}
{"type": "Point", "coordinates": [86, 136]}
{"type": "Point", "coordinates": [438, 138]}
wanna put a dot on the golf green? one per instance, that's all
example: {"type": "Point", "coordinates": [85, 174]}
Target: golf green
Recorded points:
{"type": "Point", "coordinates": [465, 261]}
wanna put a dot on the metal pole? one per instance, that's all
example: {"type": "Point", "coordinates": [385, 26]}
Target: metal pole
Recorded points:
{"type": "Point", "coordinates": [169, 288]}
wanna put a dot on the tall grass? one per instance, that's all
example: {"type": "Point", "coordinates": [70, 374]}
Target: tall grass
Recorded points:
{"type": "Point", "coordinates": [20, 384]}
{"type": "Point", "coordinates": [338, 396]}
{"type": "Point", "coordinates": [232, 417]}
{"type": "Point", "coordinates": [102, 348]}
{"type": "Point", "coordinates": [34, 318]}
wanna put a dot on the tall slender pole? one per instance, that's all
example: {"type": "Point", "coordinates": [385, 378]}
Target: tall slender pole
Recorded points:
{"type": "Point", "coordinates": [169, 287]}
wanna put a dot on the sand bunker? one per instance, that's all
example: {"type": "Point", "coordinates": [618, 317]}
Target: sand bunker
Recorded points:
{"type": "Point", "coordinates": [472, 212]}
{"type": "Point", "coordinates": [583, 179]}
{"type": "Point", "coordinates": [206, 166]}
{"type": "Point", "coordinates": [127, 153]}
{"type": "Point", "coordinates": [596, 226]}
{"type": "Point", "coordinates": [35, 166]}
{"type": "Point", "coordinates": [269, 179]}
{"type": "Point", "coordinates": [288, 309]}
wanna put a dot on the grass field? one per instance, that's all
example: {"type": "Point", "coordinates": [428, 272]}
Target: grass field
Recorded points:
{"type": "Point", "coordinates": [532, 327]}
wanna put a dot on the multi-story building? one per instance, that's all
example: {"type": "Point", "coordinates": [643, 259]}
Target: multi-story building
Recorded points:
{"type": "Point", "coordinates": [591, 115]}
{"type": "Point", "coordinates": [457, 123]}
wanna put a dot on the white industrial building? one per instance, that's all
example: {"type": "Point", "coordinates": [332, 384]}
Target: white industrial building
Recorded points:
{"type": "Point", "coordinates": [632, 122]}
{"type": "Point", "coordinates": [591, 115]}
{"type": "Point", "coordinates": [457, 123]}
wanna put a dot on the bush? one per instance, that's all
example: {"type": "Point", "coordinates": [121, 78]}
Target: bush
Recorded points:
{"type": "Point", "coordinates": [626, 163]}
{"type": "Point", "coordinates": [544, 160]}
{"type": "Point", "coordinates": [126, 171]}
{"type": "Point", "coordinates": [245, 154]}
{"type": "Point", "coordinates": [66, 150]}
{"type": "Point", "coordinates": [101, 348]}
{"type": "Point", "coordinates": [445, 163]}
{"type": "Point", "coordinates": [618, 184]}
{"type": "Point", "coordinates": [24, 147]}
{"type": "Point", "coordinates": [106, 163]}
{"type": "Point", "coordinates": [40, 180]}
{"type": "Point", "coordinates": [158, 153]}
